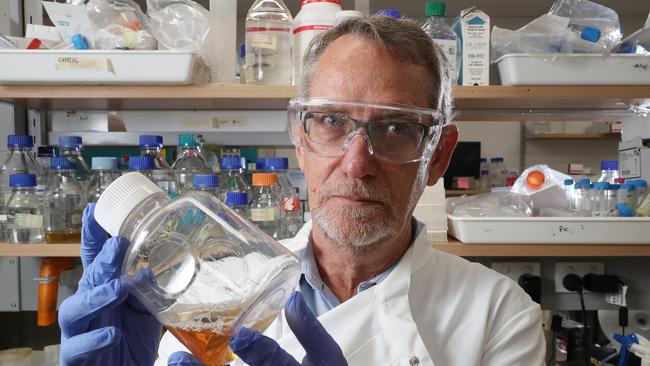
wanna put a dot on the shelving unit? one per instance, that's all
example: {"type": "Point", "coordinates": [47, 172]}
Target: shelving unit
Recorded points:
{"type": "Point", "coordinates": [453, 247]}
{"type": "Point", "coordinates": [460, 192]}
{"type": "Point", "coordinates": [474, 103]}
{"type": "Point", "coordinates": [575, 136]}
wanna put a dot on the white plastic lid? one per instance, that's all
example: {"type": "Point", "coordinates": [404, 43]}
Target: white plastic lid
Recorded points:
{"type": "Point", "coordinates": [120, 197]}
{"type": "Point", "coordinates": [343, 15]}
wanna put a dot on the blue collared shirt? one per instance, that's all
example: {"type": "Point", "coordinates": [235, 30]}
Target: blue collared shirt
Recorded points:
{"type": "Point", "coordinates": [318, 297]}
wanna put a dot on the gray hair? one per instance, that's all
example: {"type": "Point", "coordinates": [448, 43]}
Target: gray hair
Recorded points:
{"type": "Point", "coordinates": [403, 38]}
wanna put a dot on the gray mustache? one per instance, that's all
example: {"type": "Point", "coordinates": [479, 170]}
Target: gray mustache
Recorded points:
{"type": "Point", "coordinates": [358, 191]}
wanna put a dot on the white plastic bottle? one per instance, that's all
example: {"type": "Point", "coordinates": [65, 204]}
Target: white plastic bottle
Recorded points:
{"type": "Point", "coordinates": [314, 18]}
{"type": "Point", "coordinates": [443, 35]}
{"type": "Point", "coordinates": [268, 44]}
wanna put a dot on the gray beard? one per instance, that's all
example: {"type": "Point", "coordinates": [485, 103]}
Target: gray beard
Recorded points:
{"type": "Point", "coordinates": [357, 230]}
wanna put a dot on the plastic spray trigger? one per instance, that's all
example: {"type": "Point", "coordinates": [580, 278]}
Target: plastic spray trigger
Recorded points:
{"type": "Point", "coordinates": [625, 341]}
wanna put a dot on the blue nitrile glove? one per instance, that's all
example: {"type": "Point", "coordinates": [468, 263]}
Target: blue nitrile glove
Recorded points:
{"type": "Point", "coordinates": [101, 324]}
{"type": "Point", "coordinates": [321, 350]}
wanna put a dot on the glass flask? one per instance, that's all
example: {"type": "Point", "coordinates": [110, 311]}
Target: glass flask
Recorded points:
{"type": "Point", "coordinates": [202, 270]}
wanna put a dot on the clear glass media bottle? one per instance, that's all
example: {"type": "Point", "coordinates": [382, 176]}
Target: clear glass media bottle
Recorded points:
{"type": "Point", "coordinates": [70, 147]}
{"type": "Point", "coordinates": [64, 203]}
{"type": "Point", "coordinates": [151, 145]}
{"type": "Point", "coordinates": [24, 210]}
{"type": "Point", "coordinates": [238, 202]}
{"type": "Point", "coordinates": [231, 178]}
{"type": "Point", "coordinates": [265, 206]}
{"type": "Point", "coordinates": [190, 161]}
{"type": "Point", "coordinates": [104, 173]}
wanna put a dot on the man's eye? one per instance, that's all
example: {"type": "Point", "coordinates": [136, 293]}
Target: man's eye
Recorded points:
{"type": "Point", "coordinates": [332, 121]}
{"type": "Point", "coordinates": [397, 128]}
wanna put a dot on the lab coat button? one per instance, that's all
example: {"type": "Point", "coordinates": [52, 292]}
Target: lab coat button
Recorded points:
{"type": "Point", "coordinates": [414, 361]}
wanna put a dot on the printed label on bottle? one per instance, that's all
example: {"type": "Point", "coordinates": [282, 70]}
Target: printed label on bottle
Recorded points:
{"type": "Point", "coordinates": [75, 219]}
{"type": "Point", "coordinates": [27, 221]}
{"type": "Point", "coordinates": [261, 40]}
{"type": "Point", "coordinates": [290, 204]}
{"type": "Point", "coordinates": [262, 214]}
{"type": "Point", "coordinates": [3, 218]}
{"type": "Point", "coordinates": [448, 47]}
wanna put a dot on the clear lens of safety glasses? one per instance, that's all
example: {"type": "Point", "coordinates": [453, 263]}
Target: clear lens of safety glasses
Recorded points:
{"type": "Point", "coordinates": [391, 132]}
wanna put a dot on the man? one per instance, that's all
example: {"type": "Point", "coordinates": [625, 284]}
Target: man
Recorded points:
{"type": "Point", "coordinates": [370, 133]}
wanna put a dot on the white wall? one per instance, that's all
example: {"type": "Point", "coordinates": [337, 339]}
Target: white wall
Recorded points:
{"type": "Point", "coordinates": [497, 139]}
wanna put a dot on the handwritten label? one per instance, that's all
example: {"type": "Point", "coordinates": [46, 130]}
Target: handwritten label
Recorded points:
{"type": "Point", "coordinates": [644, 67]}
{"type": "Point", "coordinates": [83, 63]}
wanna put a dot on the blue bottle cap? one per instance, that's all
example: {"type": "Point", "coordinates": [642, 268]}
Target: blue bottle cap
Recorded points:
{"type": "Point", "coordinates": [22, 180]}
{"type": "Point", "coordinates": [61, 163]}
{"type": "Point", "coordinates": [187, 140]}
{"type": "Point", "coordinates": [601, 185]}
{"type": "Point", "coordinates": [205, 181]}
{"type": "Point", "coordinates": [141, 163]}
{"type": "Point", "coordinates": [627, 186]}
{"type": "Point", "coordinates": [590, 34]}
{"type": "Point", "coordinates": [568, 182]}
{"type": "Point", "coordinates": [614, 187]}
{"type": "Point", "coordinates": [624, 210]}
{"type": "Point", "coordinates": [259, 163]}
{"type": "Point", "coordinates": [494, 160]}
{"type": "Point", "coordinates": [236, 199]}
{"type": "Point", "coordinates": [46, 151]}
{"type": "Point", "coordinates": [230, 162]}
{"type": "Point", "coordinates": [485, 172]}
{"type": "Point", "coordinates": [640, 183]}
{"type": "Point", "coordinates": [151, 141]}
{"type": "Point", "coordinates": [276, 164]}
{"type": "Point", "coordinates": [585, 181]}
{"type": "Point", "coordinates": [609, 165]}
{"type": "Point", "coordinates": [69, 141]}
{"type": "Point", "coordinates": [483, 160]}
{"type": "Point", "coordinates": [19, 141]}
{"type": "Point", "coordinates": [104, 163]}
{"type": "Point", "coordinates": [79, 42]}
{"type": "Point", "coordinates": [242, 51]}
{"type": "Point", "coordinates": [391, 13]}
{"type": "Point", "coordinates": [577, 185]}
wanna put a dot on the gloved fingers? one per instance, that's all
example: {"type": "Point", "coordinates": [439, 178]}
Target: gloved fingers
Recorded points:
{"type": "Point", "coordinates": [258, 350]}
{"type": "Point", "coordinates": [93, 236]}
{"type": "Point", "coordinates": [79, 309]}
{"type": "Point", "coordinates": [320, 347]}
{"type": "Point", "coordinates": [107, 265]}
{"type": "Point", "coordinates": [182, 358]}
{"type": "Point", "coordinates": [85, 348]}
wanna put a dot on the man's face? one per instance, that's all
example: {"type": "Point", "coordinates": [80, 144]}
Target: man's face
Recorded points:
{"type": "Point", "coordinates": [356, 199]}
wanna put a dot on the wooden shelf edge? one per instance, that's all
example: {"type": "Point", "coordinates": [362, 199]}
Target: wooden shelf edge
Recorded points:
{"type": "Point", "coordinates": [453, 246]}
{"type": "Point", "coordinates": [575, 136]}
{"type": "Point", "coordinates": [39, 250]}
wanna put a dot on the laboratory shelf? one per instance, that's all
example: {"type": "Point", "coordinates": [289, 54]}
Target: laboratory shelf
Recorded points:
{"type": "Point", "coordinates": [486, 101]}
{"type": "Point", "coordinates": [575, 136]}
{"type": "Point", "coordinates": [461, 192]}
{"type": "Point", "coordinates": [453, 246]}
{"type": "Point", "coordinates": [39, 250]}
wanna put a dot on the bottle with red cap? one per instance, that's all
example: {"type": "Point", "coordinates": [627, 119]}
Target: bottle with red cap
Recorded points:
{"type": "Point", "coordinates": [314, 18]}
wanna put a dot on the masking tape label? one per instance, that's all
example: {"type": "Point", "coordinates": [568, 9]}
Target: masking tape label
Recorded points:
{"type": "Point", "coordinates": [83, 63]}
{"type": "Point", "coordinates": [260, 40]}
{"type": "Point", "coordinates": [262, 214]}
{"type": "Point", "coordinates": [26, 221]}
{"type": "Point", "coordinates": [75, 219]}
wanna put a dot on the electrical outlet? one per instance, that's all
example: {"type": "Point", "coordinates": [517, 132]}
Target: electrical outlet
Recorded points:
{"type": "Point", "coordinates": [514, 270]}
{"type": "Point", "coordinates": [579, 268]}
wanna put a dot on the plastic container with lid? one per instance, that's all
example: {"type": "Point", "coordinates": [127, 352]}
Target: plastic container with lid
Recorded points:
{"type": "Point", "coordinates": [104, 173]}
{"type": "Point", "coordinates": [268, 44]}
{"type": "Point", "coordinates": [24, 210]}
{"type": "Point", "coordinates": [265, 205]}
{"type": "Point", "coordinates": [200, 269]}
{"type": "Point", "coordinates": [151, 145]}
{"type": "Point", "coordinates": [609, 171]}
{"type": "Point", "coordinates": [641, 190]}
{"type": "Point", "coordinates": [64, 203]}
{"type": "Point", "coordinates": [443, 35]}
{"type": "Point", "coordinates": [599, 199]}
{"type": "Point", "coordinates": [190, 161]}
{"type": "Point", "coordinates": [314, 18]}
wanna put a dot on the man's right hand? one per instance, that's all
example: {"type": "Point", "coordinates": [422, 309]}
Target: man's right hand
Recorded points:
{"type": "Point", "coordinates": [101, 324]}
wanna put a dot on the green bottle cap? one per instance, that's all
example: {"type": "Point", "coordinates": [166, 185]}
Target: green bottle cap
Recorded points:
{"type": "Point", "coordinates": [187, 140]}
{"type": "Point", "coordinates": [436, 9]}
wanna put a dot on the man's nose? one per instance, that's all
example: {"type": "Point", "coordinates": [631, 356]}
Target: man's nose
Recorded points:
{"type": "Point", "coordinates": [357, 161]}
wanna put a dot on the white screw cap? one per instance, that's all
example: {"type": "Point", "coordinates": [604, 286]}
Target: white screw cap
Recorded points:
{"type": "Point", "coordinates": [120, 198]}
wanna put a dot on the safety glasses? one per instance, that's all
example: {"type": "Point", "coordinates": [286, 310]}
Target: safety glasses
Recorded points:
{"type": "Point", "coordinates": [392, 132]}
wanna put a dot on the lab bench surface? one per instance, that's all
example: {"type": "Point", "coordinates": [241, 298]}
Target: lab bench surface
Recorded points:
{"type": "Point", "coordinates": [453, 246]}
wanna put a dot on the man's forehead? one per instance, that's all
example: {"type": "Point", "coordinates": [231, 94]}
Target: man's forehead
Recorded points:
{"type": "Point", "coordinates": [355, 68]}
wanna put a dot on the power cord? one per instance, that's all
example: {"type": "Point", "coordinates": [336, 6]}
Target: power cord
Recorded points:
{"type": "Point", "coordinates": [573, 282]}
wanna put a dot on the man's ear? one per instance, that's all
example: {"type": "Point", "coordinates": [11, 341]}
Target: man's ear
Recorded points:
{"type": "Point", "coordinates": [442, 155]}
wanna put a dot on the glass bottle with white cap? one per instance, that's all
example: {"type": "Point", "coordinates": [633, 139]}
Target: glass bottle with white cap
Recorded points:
{"type": "Point", "coordinates": [104, 173]}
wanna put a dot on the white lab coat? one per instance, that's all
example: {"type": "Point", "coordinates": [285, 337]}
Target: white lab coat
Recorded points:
{"type": "Point", "coordinates": [434, 308]}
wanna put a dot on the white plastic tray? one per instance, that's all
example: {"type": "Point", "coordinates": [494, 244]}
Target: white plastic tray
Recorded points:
{"type": "Point", "coordinates": [550, 230]}
{"type": "Point", "coordinates": [100, 67]}
{"type": "Point", "coordinates": [573, 69]}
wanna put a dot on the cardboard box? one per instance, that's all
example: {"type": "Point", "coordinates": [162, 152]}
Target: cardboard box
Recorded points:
{"type": "Point", "coordinates": [473, 29]}
{"type": "Point", "coordinates": [634, 159]}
